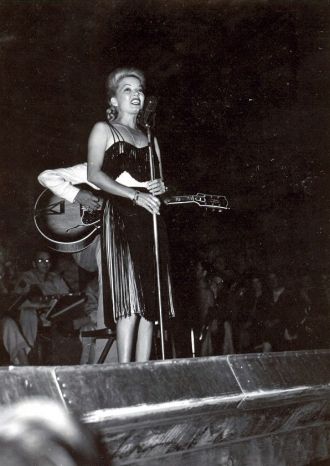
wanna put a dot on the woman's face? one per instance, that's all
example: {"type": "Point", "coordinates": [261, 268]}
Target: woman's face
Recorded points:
{"type": "Point", "coordinates": [129, 96]}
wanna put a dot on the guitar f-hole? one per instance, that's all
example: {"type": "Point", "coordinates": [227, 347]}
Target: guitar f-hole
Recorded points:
{"type": "Point", "coordinates": [50, 209]}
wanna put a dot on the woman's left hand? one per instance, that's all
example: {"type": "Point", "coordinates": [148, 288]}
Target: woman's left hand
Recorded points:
{"type": "Point", "coordinates": [156, 187]}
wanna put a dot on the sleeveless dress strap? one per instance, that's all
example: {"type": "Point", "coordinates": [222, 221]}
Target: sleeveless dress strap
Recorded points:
{"type": "Point", "coordinates": [115, 133]}
{"type": "Point", "coordinates": [117, 137]}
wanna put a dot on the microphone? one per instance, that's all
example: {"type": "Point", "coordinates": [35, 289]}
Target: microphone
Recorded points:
{"type": "Point", "coordinates": [149, 109]}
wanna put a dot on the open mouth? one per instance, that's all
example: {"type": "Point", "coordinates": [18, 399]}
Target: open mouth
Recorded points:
{"type": "Point", "coordinates": [135, 102]}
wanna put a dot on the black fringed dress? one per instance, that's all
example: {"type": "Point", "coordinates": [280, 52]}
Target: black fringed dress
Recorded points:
{"type": "Point", "coordinates": [128, 258]}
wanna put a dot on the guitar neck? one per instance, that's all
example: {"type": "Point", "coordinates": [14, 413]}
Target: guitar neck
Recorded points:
{"type": "Point", "coordinates": [60, 296]}
{"type": "Point", "coordinates": [180, 199]}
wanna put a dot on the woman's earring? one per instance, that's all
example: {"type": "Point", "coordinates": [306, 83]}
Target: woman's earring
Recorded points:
{"type": "Point", "coordinates": [111, 113]}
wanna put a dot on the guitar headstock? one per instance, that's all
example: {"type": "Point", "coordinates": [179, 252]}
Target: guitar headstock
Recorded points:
{"type": "Point", "coordinates": [209, 201]}
{"type": "Point", "coordinates": [212, 201]}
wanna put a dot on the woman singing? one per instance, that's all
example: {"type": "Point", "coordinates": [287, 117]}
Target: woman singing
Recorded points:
{"type": "Point", "coordinates": [118, 162]}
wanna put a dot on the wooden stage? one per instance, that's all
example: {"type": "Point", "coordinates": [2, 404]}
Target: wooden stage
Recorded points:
{"type": "Point", "coordinates": [248, 410]}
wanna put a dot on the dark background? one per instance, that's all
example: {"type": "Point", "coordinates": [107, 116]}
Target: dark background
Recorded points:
{"type": "Point", "coordinates": [244, 103]}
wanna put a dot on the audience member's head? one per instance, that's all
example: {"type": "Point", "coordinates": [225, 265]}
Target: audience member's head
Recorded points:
{"type": "Point", "coordinates": [40, 432]}
{"type": "Point", "coordinates": [257, 285]}
{"type": "Point", "coordinates": [201, 269]}
{"type": "Point", "coordinates": [306, 281]}
{"type": "Point", "coordinates": [219, 263]}
{"type": "Point", "coordinates": [42, 261]}
{"type": "Point", "coordinates": [274, 280]}
{"type": "Point", "coordinates": [215, 281]}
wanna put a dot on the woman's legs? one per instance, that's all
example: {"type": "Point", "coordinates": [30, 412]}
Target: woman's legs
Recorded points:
{"type": "Point", "coordinates": [144, 340]}
{"type": "Point", "coordinates": [125, 337]}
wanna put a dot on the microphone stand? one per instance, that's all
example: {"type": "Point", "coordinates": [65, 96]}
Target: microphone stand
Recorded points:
{"type": "Point", "coordinates": [156, 242]}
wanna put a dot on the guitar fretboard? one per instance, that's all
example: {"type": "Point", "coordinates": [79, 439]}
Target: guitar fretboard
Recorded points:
{"type": "Point", "coordinates": [180, 199]}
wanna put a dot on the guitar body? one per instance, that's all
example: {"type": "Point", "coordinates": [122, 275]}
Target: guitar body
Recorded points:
{"type": "Point", "coordinates": [67, 226]}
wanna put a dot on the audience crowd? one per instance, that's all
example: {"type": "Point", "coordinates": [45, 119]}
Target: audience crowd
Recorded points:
{"type": "Point", "coordinates": [258, 309]}
{"type": "Point", "coordinates": [231, 309]}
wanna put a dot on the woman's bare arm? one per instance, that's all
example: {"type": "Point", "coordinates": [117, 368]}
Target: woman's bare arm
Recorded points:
{"type": "Point", "coordinates": [97, 145]}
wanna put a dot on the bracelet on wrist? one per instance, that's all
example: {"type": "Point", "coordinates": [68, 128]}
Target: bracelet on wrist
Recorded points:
{"type": "Point", "coordinates": [136, 197]}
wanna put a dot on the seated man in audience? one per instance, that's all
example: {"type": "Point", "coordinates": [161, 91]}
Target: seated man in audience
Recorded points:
{"type": "Point", "coordinates": [41, 278]}
{"type": "Point", "coordinates": [49, 282]}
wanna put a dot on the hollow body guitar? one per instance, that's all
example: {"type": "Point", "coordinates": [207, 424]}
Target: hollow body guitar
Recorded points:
{"type": "Point", "coordinates": [69, 227]}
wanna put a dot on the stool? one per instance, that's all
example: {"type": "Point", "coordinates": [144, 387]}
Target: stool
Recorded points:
{"type": "Point", "coordinates": [102, 333]}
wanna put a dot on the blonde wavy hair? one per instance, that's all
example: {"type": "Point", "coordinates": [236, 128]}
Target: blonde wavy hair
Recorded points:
{"type": "Point", "coordinates": [112, 83]}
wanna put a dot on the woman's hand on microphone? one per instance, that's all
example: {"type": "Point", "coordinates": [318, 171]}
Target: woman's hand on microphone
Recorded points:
{"type": "Point", "coordinates": [149, 202]}
{"type": "Point", "coordinates": [156, 187]}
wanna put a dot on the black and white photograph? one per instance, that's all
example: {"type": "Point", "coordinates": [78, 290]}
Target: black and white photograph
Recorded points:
{"type": "Point", "coordinates": [165, 233]}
